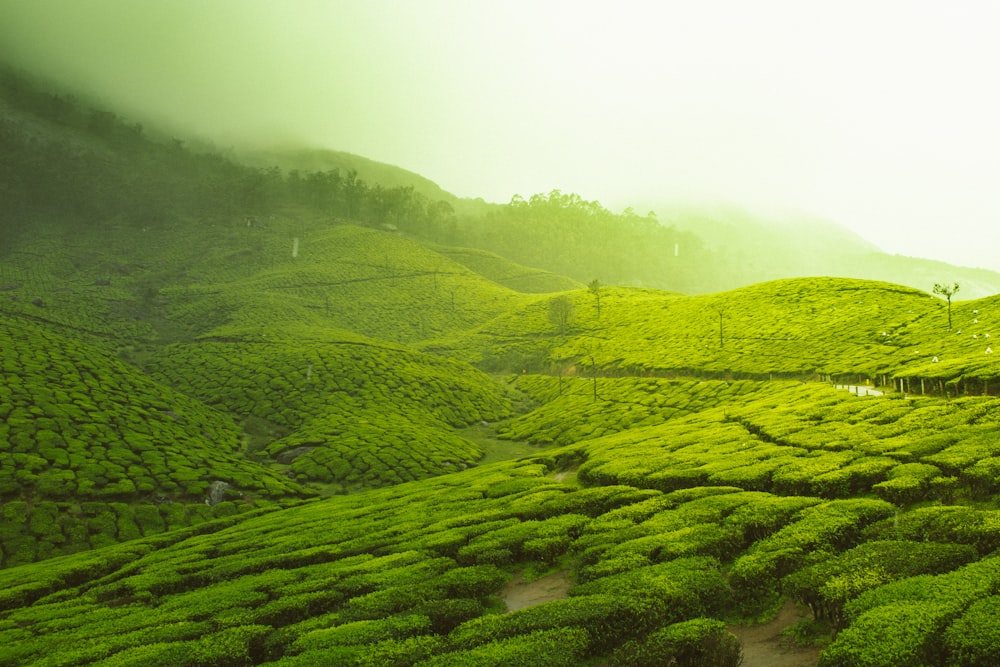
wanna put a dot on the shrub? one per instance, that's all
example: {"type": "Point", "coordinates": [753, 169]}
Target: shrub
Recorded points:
{"type": "Point", "coordinates": [973, 640]}
{"type": "Point", "coordinates": [471, 582]}
{"type": "Point", "coordinates": [445, 614]}
{"type": "Point", "coordinates": [903, 633]}
{"type": "Point", "coordinates": [699, 642]}
{"type": "Point", "coordinates": [667, 592]}
{"type": "Point", "coordinates": [827, 586]}
{"type": "Point", "coordinates": [562, 647]}
{"type": "Point", "coordinates": [363, 632]}
{"type": "Point", "coordinates": [607, 619]}
{"type": "Point", "coordinates": [160, 654]}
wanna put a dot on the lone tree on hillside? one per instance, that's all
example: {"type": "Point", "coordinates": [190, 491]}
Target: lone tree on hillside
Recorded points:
{"type": "Point", "coordinates": [595, 288]}
{"type": "Point", "coordinates": [947, 291]}
{"type": "Point", "coordinates": [561, 312]}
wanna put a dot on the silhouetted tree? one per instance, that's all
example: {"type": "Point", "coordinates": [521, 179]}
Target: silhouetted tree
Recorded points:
{"type": "Point", "coordinates": [947, 292]}
{"type": "Point", "coordinates": [561, 312]}
{"type": "Point", "coordinates": [595, 288]}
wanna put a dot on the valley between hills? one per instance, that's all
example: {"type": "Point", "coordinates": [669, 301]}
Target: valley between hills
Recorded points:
{"type": "Point", "coordinates": [247, 431]}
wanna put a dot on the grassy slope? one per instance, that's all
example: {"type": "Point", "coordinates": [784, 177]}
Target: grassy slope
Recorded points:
{"type": "Point", "coordinates": [507, 273]}
{"type": "Point", "coordinates": [803, 328]}
{"type": "Point", "coordinates": [740, 489]}
{"type": "Point", "coordinates": [225, 315]}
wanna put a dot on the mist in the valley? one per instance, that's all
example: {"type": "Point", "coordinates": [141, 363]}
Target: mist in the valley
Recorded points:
{"type": "Point", "coordinates": [877, 116]}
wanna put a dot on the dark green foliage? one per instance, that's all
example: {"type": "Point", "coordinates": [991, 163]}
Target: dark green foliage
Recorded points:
{"type": "Point", "coordinates": [85, 426]}
{"type": "Point", "coordinates": [903, 621]}
{"type": "Point", "coordinates": [973, 640]}
{"type": "Point", "coordinates": [700, 642]}
{"type": "Point", "coordinates": [566, 234]}
{"type": "Point", "coordinates": [561, 647]}
{"type": "Point", "coordinates": [828, 585]}
{"type": "Point", "coordinates": [667, 592]}
{"type": "Point", "coordinates": [361, 415]}
{"type": "Point", "coordinates": [607, 620]}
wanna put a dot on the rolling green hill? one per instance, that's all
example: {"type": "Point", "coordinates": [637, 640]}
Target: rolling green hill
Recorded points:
{"type": "Point", "coordinates": [807, 328]}
{"type": "Point", "coordinates": [311, 160]}
{"type": "Point", "coordinates": [243, 428]}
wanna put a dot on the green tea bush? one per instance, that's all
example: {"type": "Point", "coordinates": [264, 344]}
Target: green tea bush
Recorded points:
{"type": "Point", "coordinates": [606, 619]}
{"type": "Point", "coordinates": [560, 647]}
{"type": "Point", "coordinates": [475, 581]}
{"type": "Point", "coordinates": [667, 592]}
{"type": "Point", "coordinates": [979, 528]}
{"type": "Point", "coordinates": [447, 613]}
{"type": "Point", "coordinates": [828, 585]}
{"type": "Point", "coordinates": [363, 632]}
{"type": "Point", "coordinates": [903, 621]}
{"type": "Point", "coordinates": [699, 642]}
{"type": "Point", "coordinates": [973, 639]}
{"type": "Point", "coordinates": [902, 633]}
{"type": "Point", "coordinates": [955, 589]}
{"type": "Point", "coordinates": [856, 478]}
{"type": "Point", "coordinates": [827, 527]}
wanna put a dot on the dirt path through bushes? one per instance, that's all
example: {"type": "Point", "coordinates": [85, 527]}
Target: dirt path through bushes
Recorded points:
{"type": "Point", "coordinates": [763, 645]}
{"type": "Point", "coordinates": [519, 594]}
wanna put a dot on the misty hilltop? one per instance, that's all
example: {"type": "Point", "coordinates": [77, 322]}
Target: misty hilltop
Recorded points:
{"type": "Point", "coordinates": [844, 113]}
{"type": "Point", "coordinates": [85, 162]}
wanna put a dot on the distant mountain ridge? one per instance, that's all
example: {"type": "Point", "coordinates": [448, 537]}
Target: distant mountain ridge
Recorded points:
{"type": "Point", "coordinates": [66, 159]}
{"type": "Point", "coordinates": [316, 159]}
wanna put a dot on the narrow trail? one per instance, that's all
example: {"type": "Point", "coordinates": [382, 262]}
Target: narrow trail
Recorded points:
{"type": "Point", "coordinates": [519, 594]}
{"type": "Point", "coordinates": [763, 645]}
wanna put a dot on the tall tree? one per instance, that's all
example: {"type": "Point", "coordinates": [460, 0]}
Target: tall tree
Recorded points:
{"type": "Point", "coordinates": [561, 312]}
{"type": "Point", "coordinates": [947, 291]}
{"type": "Point", "coordinates": [595, 288]}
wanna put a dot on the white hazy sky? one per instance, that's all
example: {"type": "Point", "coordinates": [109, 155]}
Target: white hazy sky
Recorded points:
{"type": "Point", "coordinates": [881, 115]}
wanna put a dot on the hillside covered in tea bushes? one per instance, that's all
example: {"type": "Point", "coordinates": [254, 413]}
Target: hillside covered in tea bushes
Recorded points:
{"type": "Point", "coordinates": [310, 436]}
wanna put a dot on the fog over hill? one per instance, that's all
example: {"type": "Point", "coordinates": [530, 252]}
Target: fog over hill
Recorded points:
{"type": "Point", "coordinates": [871, 116]}
{"type": "Point", "coordinates": [100, 163]}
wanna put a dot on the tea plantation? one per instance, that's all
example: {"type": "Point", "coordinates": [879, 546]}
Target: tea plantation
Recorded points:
{"type": "Point", "coordinates": [249, 445]}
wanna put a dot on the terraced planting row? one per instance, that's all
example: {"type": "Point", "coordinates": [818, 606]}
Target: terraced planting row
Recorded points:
{"type": "Point", "coordinates": [109, 278]}
{"type": "Point", "coordinates": [137, 284]}
{"type": "Point", "coordinates": [41, 529]}
{"type": "Point", "coordinates": [958, 361]}
{"type": "Point", "coordinates": [403, 576]}
{"type": "Point", "coordinates": [88, 444]}
{"type": "Point", "coordinates": [362, 280]}
{"type": "Point", "coordinates": [570, 412]}
{"type": "Point", "coordinates": [79, 424]}
{"type": "Point", "coordinates": [507, 273]}
{"type": "Point", "coordinates": [347, 413]}
{"type": "Point", "coordinates": [811, 439]}
{"type": "Point", "coordinates": [790, 327]}
{"type": "Point", "coordinates": [410, 575]}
